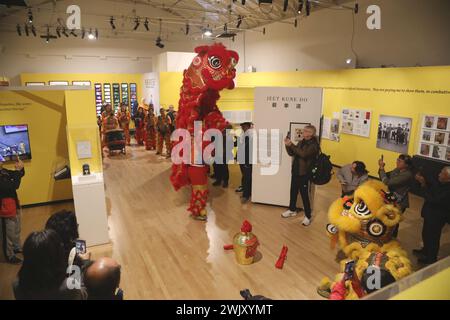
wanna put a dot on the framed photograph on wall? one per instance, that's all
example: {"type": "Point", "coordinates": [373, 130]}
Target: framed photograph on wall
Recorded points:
{"type": "Point", "coordinates": [394, 133]}
{"type": "Point", "coordinates": [296, 130]}
{"type": "Point", "coordinates": [434, 137]}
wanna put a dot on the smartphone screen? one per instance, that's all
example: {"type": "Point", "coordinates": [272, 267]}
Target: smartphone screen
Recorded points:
{"type": "Point", "coordinates": [80, 246]}
{"type": "Point", "coordinates": [349, 267]}
{"type": "Point", "coordinates": [288, 135]}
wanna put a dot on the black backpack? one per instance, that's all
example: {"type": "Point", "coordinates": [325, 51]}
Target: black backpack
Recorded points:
{"type": "Point", "coordinates": [321, 170]}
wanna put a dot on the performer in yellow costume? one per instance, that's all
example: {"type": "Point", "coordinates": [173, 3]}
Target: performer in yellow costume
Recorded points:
{"type": "Point", "coordinates": [362, 226]}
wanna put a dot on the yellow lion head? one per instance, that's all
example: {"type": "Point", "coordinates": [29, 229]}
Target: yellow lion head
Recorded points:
{"type": "Point", "coordinates": [367, 218]}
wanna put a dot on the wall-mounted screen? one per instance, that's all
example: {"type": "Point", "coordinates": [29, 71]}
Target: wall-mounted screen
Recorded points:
{"type": "Point", "coordinates": [14, 141]}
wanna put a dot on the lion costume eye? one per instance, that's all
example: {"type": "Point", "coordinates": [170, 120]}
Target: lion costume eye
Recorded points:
{"type": "Point", "coordinates": [361, 209]}
{"type": "Point", "coordinates": [214, 62]}
{"type": "Point", "coordinates": [233, 62]}
{"type": "Point", "coordinates": [376, 228]}
{"type": "Point", "coordinates": [331, 228]}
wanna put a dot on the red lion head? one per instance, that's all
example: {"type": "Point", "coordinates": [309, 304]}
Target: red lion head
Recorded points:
{"type": "Point", "coordinates": [213, 67]}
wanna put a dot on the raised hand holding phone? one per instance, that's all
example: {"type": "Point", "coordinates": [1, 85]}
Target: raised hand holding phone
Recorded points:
{"type": "Point", "coordinates": [19, 163]}
{"type": "Point", "coordinates": [381, 163]}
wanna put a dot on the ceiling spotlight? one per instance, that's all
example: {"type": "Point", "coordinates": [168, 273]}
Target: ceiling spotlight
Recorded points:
{"type": "Point", "coordinates": [285, 5]}
{"type": "Point", "coordinates": [186, 32]}
{"type": "Point", "coordinates": [159, 43]}
{"type": "Point", "coordinates": [30, 16]}
{"type": "Point", "coordinates": [348, 61]}
{"type": "Point", "coordinates": [137, 23]}
{"type": "Point", "coordinates": [264, 30]}
{"type": "Point", "coordinates": [19, 30]}
{"type": "Point", "coordinates": [111, 22]}
{"type": "Point", "coordinates": [308, 7]}
{"type": "Point", "coordinates": [300, 6]}
{"type": "Point", "coordinates": [26, 30]}
{"type": "Point", "coordinates": [207, 32]}
{"type": "Point", "coordinates": [96, 33]}
{"type": "Point", "coordinates": [83, 33]}
{"type": "Point", "coordinates": [146, 24]}
{"type": "Point", "coordinates": [64, 32]}
{"type": "Point", "coordinates": [356, 8]}
{"type": "Point", "coordinates": [33, 30]}
{"type": "Point", "coordinates": [72, 32]}
{"type": "Point", "coordinates": [58, 32]}
{"type": "Point", "coordinates": [91, 35]}
{"type": "Point", "coordinates": [295, 23]}
{"type": "Point", "coordinates": [239, 22]}
{"type": "Point", "coordinates": [48, 36]}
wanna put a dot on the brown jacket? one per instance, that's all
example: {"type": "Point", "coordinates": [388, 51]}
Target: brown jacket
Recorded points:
{"type": "Point", "coordinates": [304, 153]}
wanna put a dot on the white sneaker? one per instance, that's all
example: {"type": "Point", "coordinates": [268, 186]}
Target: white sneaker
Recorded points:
{"type": "Point", "coordinates": [306, 222]}
{"type": "Point", "coordinates": [288, 214]}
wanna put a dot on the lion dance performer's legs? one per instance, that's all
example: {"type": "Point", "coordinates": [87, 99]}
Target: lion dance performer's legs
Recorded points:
{"type": "Point", "coordinates": [150, 139]}
{"type": "Point", "coordinates": [159, 143]}
{"type": "Point", "coordinates": [126, 131]}
{"type": "Point", "coordinates": [199, 194]}
{"type": "Point", "coordinates": [168, 144]}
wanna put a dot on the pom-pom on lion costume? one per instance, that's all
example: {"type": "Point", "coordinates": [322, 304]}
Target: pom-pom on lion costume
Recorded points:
{"type": "Point", "coordinates": [362, 226]}
{"type": "Point", "coordinates": [212, 70]}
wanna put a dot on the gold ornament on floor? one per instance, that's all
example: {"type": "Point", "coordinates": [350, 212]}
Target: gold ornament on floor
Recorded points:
{"type": "Point", "coordinates": [245, 244]}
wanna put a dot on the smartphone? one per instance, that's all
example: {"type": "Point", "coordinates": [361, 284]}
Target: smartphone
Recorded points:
{"type": "Point", "coordinates": [80, 246]}
{"type": "Point", "coordinates": [382, 157]}
{"type": "Point", "coordinates": [349, 268]}
{"type": "Point", "coordinates": [288, 135]}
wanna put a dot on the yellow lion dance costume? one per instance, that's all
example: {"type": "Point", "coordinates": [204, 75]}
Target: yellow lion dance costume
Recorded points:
{"type": "Point", "coordinates": [362, 226]}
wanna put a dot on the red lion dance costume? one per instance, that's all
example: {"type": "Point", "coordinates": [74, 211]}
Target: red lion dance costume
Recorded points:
{"type": "Point", "coordinates": [212, 70]}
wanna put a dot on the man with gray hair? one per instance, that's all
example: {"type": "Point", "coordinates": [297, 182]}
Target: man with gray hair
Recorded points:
{"type": "Point", "coordinates": [435, 213]}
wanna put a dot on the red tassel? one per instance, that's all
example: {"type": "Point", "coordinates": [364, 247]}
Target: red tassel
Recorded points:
{"type": "Point", "coordinates": [282, 257]}
{"type": "Point", "coordinates": [228, 247]}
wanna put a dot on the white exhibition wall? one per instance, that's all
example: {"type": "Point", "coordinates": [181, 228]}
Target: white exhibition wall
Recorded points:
{"type": "Point", "coordinates": [277, 108]}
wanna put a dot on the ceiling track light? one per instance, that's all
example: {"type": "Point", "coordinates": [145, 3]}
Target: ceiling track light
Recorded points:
{"type": "Point", "coordinates": [30, 16]}
{"type": "Point", "coordinates": [295, 23]}
{"type": "Point", "coordinates": [186, 32]}
{"type": "Point", "coordinates": [356, 8]}
{"type": "Point", "coordinates": [137, 23]}
{"type": "Point", "coordinates": [33, 30]}
{"type": "Point", "coordinates": [308, 8]}
{"type": "Point", "coordinates": [264, 30]}
{"type": "Point", "coordinates": [58, 32]}
{"type": "Point", "coordinates": [111, 22]}
{"type": "Point", "coordinates": [239, 22]}
{"type": "Point", "coordinates": [26, 30]}
{"type": "Point", "coordinates": [243, 2]}
{"type": "Point", "coordinates": [64, 32]}
{"type": "Point", "coordinates": [19, 30]}
{"type": "Point", "coordinates": [285, 5]}
{"type": "Point", "coordinates": [300, 6]}
{"type": "Point", "coordinates": [146, 22]}
{"type": "Point", "coordinates": [96, 33]}
{"type": "Point", "coordinates": [83, 33]}
{"type": "Point", "coordinates": [91, 35]}
{"type": "Point", "coordinates": [72, 32]}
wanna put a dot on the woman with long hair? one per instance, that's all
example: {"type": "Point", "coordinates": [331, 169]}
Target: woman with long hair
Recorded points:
{"type": "Point", "coordinates": [43, 272]}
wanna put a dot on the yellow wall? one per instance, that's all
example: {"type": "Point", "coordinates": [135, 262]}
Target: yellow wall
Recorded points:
{"type": "Point", "coordinates": [45, 115]}
{"type": "Point", "coordinates": [346, 88]}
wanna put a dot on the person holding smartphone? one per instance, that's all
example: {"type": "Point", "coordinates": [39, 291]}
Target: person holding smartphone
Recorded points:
{"type": "Point", "coordinates": [10, 211]}
{"type": "Point", "coordinates": [351, 176]}
{"type": "Point", "coordinates": [304, 154]}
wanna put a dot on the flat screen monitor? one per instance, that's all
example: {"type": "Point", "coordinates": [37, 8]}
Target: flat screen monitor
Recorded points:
{"type": "Point", "coordinates": [15, 141]}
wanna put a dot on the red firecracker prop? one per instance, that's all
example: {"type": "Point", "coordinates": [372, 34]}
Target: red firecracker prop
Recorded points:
{"type": "Point", "coordinates": [282, 257]}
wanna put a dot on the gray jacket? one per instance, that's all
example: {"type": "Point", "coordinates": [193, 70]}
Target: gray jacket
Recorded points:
{"type": "Point", "coordinates": [352, 181]}
{"type": "Point", "coordinates": [398, 182]}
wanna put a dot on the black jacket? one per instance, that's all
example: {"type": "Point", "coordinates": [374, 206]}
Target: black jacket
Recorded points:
{"type": "Point", "coordinates": [437, 200]}
{"type": "Point", "coordinates": [304, 153]}
{"type": "Point", "coordinates": [9, 183]}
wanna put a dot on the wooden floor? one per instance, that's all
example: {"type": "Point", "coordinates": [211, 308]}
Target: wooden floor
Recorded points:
{"type": "Point", "coordinates": [166, 255]}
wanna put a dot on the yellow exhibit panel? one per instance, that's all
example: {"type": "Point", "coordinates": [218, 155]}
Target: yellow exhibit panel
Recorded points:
{"type": "Point", "coordinates": [436, 287]}
{"type": "Point", "coordinates": [45, 114]}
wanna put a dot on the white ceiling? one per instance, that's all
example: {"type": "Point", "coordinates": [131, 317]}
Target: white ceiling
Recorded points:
{"type": "Point", "coordinates": [173, 15]}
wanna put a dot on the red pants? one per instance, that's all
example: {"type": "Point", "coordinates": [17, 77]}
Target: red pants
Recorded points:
{"type": "Point", "coordinates": [150, 139]}
{"type": "Point", "coordinates": [139, 135]}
